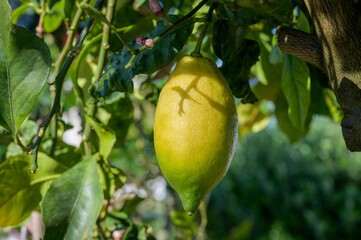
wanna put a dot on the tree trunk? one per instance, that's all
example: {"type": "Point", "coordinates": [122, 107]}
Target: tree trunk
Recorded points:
{"type": "Point", "coordinates": [337, 52]}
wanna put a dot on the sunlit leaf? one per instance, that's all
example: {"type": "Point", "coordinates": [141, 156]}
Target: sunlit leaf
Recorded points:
{"type": "Point", "coordinates": [20, 189]}
{"type": "Point", "coordinates": [54, 18]}
{"type": "Point", "coordinates": [19, 11]}
{"type": "Point", "coordinates": [106, 136]}
{"type": "Point", "coordinates": [24, 68]}
{"type": "Point", "coordinates": [238, 55]}
{"type": "Point", "coordinates": [73, 202]}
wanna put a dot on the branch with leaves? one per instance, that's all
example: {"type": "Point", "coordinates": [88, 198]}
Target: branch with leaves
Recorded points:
{"type": "Point", "coordinates": [59, 81]}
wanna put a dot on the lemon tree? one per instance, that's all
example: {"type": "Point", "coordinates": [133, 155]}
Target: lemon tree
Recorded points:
{"type": "Point", "coordinates": [105, 103]}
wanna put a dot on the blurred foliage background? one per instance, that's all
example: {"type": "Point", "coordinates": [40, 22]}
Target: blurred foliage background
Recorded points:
{"type": "Point", "coordinates": [274, 189]}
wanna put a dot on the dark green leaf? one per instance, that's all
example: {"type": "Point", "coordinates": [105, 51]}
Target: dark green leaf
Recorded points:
{"type": "Point", "coordinates": [246, 16]}
{"type": "Point", "coordinates": [70, 7]}
{"type": "Point", "coordinates": [20, 189]}
{"type": "Point", "coordinates": [165, 50]}
{"type": "Point", "coordinates": [131, 204]}
{"type": "Point", "coordinates": [131, 233]}
{"type": "Point", "coordinates": [238, 55]}
{"type": "Point", "coordinates": [73, 202]}
{"type": "Point", "coordinates": [122, 116]}
{"type": "Point", "coordinates": [24, 68]}
{"type": "Point", "coordinates": [117, 78]}
{"type": "Point", "coordinates": [297, 90]}
{"type": "Point", "coordinates": [279, 9]}
{"type": "Point", "coordinates": [126, 16]}
{"type": "Point", "coordinates": [318, 102]}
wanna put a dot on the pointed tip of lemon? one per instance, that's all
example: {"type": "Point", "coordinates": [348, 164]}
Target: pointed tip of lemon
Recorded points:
{"type": "Point", "coordinates": [189, 213]}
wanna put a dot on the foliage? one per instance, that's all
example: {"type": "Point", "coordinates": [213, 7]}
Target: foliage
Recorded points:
{"type": "Point", "coordinates": [104, 92]}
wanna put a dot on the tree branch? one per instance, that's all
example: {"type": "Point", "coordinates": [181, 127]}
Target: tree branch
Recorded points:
{"type": "Point", "coordinates": [301, 45]}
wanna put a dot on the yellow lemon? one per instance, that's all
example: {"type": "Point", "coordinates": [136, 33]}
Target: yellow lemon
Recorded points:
{"type": "Point", "coordinates": [195, 129]}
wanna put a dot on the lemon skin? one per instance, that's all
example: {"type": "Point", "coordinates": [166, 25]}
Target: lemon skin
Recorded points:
{"type": "Point", "coordinates": [195, 129]}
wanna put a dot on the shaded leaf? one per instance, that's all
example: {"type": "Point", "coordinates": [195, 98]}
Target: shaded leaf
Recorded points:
{"type": "Point", "coordinates": [106, 136]}
{"type": "Point", "coordinates": [81, 196]}
{"type": "Point", "coordinates": [238, 55]}
{"type": "Point", "coordinates": [70, 8]}
{"type": "Point", "coordinates": [20, 189]}
{"type": "Point", "coordinates": [296, 86]}
{"type": "Point", "coordinates": [166, 49]}
{"type": "Point", "coordinates": [284, 121]}
{"type": "Point", "coordinates": [24, 68]}
{"type": "Point", "coordinates": [318, 103]}
{"type": "Point", "coordinates": [279, 9]}
{"type": "Point", "coordinates": [246, 16]}
{"type": "Point", "coordinates": [122, 112]}
{"type": "Point", "coordinates": [117, 78]}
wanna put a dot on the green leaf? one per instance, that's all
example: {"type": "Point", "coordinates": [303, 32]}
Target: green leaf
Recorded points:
{"type": "Point", "coordinates": [70, 8]}
{"type": "Point", "coordinates": [238, 55]}
{"type": "Point", "coordinates": [268, 73]}
{"type": "Point", "coordinates": [106, 136]}
{"type": "Point", "coordinates": [53, 20]}
{"type": "Point", "coordinates": [122, 113]}
{"type": "Point", "coordinates": [19, 11]}
{"type": "Point", "coordinates": [181, 219]}
{"type": "Point", "coordinates": [94, 13]}
{"type": "Point", "coordinates": [117, 78]}
{"type": "Point", "coordinates": [279, 9]}
{"type": "Point", "coordinates": [140, 3]}
{"type": "Point", "coordinates": [73, 202]}
{"type": "Point", "coordinates": [20, 189]}
{"type": "Point", "coordinates": [284, 121]}
{"type": "Point", "coordinates": [302, 23]}
{"type": "Point", "coordinates": [166, 49]}
{"type": "Point", "coordinates": [24, 68]}
{"type": "Point", "coordinates": [276, 55]}
{"type": "Point", "coordinates": [297, 90]}
{"type": "Point", "coordinates": [246, 16]}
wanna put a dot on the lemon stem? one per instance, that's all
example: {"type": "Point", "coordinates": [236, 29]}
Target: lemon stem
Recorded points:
{"type": "Point", "coordinates": [207, 22]}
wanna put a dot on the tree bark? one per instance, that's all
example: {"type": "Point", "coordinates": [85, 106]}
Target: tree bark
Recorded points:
{"type": "Point", "coordinates": [336, 51]}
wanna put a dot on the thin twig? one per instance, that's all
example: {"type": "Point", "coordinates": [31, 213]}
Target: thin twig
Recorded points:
{"type": "Point", "coordinates": [69, 40]}
{"type": "Point", "coordinates": [105, 39]}
{"type": "Point", "coordinates": [101, 231]}
{"type": "Point", "coordinates": [207, 22]}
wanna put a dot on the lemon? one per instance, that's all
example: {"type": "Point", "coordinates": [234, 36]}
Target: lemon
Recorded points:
{"type": "Point", "coordinates": [195, 129]}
